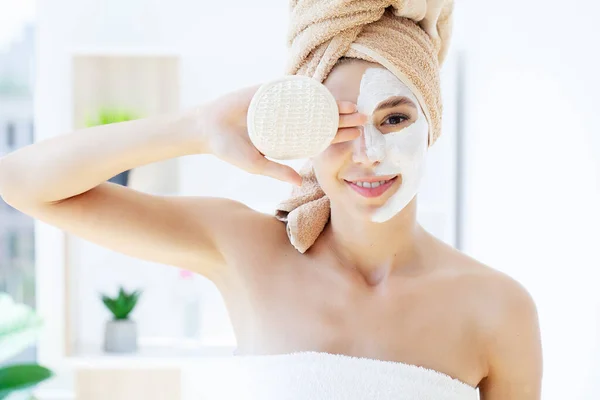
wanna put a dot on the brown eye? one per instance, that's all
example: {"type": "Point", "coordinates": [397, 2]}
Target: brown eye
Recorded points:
{"type": "Point", "coordinates": [396, 119]}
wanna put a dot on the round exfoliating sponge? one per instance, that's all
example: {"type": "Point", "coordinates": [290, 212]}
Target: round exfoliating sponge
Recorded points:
{"type": "Point", "coordinates": [292, 117]}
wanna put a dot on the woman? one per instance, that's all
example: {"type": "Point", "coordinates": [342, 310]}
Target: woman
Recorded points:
{"type": "Point", "coordinates": [371, 285]}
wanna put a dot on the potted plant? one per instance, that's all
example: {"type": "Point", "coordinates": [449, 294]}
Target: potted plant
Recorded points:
{"type": "Point", "coordinates": [19, 327]}
{"type": "Point", "coordinates": [120, 335]}
{"type": "Point", "coordinates": [107, 116]}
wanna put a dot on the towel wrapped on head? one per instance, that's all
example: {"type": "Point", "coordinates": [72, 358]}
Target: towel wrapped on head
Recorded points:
{"type": "Point", "coordinates": [408, 37]}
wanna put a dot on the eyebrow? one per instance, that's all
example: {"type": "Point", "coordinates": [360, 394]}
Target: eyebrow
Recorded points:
{"type": "Point", "coordinates": [394, 102]}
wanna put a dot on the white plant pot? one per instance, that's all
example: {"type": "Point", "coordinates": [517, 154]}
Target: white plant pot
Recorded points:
{"type": "Point", "coordinates": [120, 336]}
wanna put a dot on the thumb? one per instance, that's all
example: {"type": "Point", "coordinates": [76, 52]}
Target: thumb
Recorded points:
{"type": "Point", "coordinates": [280, 171]}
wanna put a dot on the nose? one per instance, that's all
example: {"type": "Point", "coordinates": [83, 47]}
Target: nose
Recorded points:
{"type": "Point", "coordinates": [369, 147]}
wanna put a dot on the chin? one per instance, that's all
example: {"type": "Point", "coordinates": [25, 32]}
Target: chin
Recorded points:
{"type": "Point", "coordinates": [365, 212]}
{"type": "Point", "coordinates": [379, 212]}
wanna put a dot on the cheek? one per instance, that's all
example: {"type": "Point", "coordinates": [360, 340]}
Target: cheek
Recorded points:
{"type": "Point", "coordinates": [406, 147]}
{"type": "Point", "coordinates": [331, 162]}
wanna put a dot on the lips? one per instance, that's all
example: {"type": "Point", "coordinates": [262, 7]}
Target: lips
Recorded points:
{"type": "Point", "coordinates": [371, 188]}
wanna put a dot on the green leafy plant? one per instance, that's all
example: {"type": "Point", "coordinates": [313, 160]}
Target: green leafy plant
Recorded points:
{"type": "Point", "coordinates": [122, 305]}
{"type": "Point", "coordinates": [19, 327]}
{"type": "Point", "coordinates": [108, 115]}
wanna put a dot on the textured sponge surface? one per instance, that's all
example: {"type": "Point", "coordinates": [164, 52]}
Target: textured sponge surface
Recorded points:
{"type": "Point", "coordinates": [292, 117]}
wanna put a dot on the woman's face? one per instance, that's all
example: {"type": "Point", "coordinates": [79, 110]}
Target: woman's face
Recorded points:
{"type": "Point", "coordinates": [376, 175]}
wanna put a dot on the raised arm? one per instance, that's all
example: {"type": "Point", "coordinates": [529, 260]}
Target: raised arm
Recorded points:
{"type": "Point", "coordinates": [62, 181]}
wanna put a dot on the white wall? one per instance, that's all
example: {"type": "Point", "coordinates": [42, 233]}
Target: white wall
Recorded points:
{"type": "Point", "coordinates": [533, 145]}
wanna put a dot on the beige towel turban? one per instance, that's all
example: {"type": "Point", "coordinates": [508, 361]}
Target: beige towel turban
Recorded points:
{"type": "Point", "coordinates": [408, 37]}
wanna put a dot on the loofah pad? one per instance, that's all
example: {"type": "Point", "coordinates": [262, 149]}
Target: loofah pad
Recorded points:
{"type": "Point", "coordinates": [292, 117]}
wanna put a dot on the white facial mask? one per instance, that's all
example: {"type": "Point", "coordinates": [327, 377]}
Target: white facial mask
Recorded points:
{"type": "Point", "coordinates": [399, 153]}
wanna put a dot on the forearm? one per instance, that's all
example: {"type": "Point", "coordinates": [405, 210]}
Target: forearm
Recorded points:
{"type": "Point", "coordinates": [73, 163]}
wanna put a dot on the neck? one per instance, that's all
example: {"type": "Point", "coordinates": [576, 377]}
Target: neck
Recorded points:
{"type": "Point", "coordinates": [377, 249]}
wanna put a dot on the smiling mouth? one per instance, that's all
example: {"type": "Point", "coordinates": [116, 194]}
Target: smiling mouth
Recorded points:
{"type": "Point", "coordinates": [371, 188]}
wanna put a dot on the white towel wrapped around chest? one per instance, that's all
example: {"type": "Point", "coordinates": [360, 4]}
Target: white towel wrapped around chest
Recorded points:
{"type": "Point", "coordinates": [320, 376]}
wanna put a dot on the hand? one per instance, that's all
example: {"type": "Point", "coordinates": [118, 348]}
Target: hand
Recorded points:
{"type": "Point", "coordinates": [350, 120]}
{"type": "Point", "coordinates": [226, 134]}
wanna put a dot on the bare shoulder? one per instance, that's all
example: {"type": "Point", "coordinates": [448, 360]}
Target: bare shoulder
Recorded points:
{"type": "Point", "coordinates": [500, 298]}
{"type": "Point", "coordinates": [499, 294]}
{"type": "Point", "coordinates": [495, 289]}
{"type": "Point", "coordinates": [507, 324]}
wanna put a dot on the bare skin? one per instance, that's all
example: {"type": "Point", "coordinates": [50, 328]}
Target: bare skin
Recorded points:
{"type": "Point", "coordinates": [387, 291]}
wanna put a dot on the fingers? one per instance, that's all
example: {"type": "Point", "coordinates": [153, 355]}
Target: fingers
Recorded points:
{"type": "Point", "coordinates": [346, 107]}
{"type": "Point", "coordinates": [247, 157]}
{"type": "Point", "coordinates": [351, 120]}
{"type": "Point", "coordinates": [279, 171]}
{"type": "Point", "coordinates": [346, 134]}
{"type": "Point", "coordinates": [257, 163]}
{"type": "Point", "coordinates": [349, 115]}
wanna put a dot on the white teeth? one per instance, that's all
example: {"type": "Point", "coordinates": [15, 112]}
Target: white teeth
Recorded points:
{"type": "Point", "coordinates": [369, 184]}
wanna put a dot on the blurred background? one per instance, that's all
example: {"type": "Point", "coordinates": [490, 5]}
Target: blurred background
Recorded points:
{"type": "Point", "coordinates": [513, 181]}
